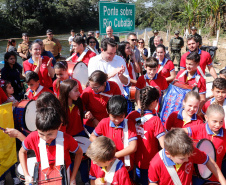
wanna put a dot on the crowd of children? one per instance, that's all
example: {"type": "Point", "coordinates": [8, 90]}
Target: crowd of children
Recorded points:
{"type": "Point", "coordinates": [127, 147]}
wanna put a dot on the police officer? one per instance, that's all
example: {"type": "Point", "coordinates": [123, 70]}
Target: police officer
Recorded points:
{"type": "Point", "coordinates": [51, 44]}
{"type": "Point", "coordinates": [176, 43]}
{"type": "Point", "coordinates": [151, 42]}
{"type": "Point", "coordinates": [194, 32]}
{"type": "Point", "coordinates": [23, 47]}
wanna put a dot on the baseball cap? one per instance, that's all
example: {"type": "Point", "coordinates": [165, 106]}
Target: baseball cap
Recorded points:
{"type": "Point", "coordinates": [193, 28]}
{"type": "Point", "coordinates": [155, 31]}
{"type": "Point", "coordinates": [176, 32]}
{"type": "Point", "coordinates": [49, 31]}
{"type": "Point", "coordinates": [25, 34]}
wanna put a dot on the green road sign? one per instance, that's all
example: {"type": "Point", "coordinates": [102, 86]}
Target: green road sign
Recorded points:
{"type": "Point", "coordinates": [120, 16]}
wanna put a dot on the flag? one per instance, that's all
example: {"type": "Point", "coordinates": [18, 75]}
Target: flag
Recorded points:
{"type": "Point", "coordinates": [8, 156]}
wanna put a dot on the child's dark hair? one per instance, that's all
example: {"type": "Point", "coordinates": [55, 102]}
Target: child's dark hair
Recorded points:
{"type": "Point", "coordinates": [223, 72]}
{"type": "Point", "coordinates": [177, 142]}
{"type": "Point", "coordinates": [31, 75]}
{"type": "Point", "coordinates": [60, 65]}
{"type": "Point", "coordinates": [47, 118]}
{"type": "Point", "coordinates": [4, 87]}
{"type": "Point", "coordinates": [117, 105]}
{"type": "Point", "coordinates": [10, 43]}
{"type": "Point", "coordinates": [65, 87]}
{"type": "Point", "coordinates": [147, 96]}
{"type": "Point", "coordinates": [194, 56]}
{"type": "Point", "coordinates": [151, 62]}
{"type": "Point", "coordinates": [192, 94]}
{"type": "Point", "coordinates": [7, 56]}
{"type": "Point", "coordinates": [161, 46]}
{"type": "Point", "coordinates": [98, 77]}
{"type": "Point", "coordinates": [219, 83]}
{"type": "Point", "coordinates": [79, 40]}
{"type": "Point", "coordinates": [47, 99]}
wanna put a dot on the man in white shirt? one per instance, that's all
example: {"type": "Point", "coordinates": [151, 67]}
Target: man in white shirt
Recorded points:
{"type": "Point", "coordinates": [110, 63]}
{"type": "Point", "coordinates": [71, 38]}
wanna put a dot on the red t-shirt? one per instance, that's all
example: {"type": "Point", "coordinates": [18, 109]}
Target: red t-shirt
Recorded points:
{"type": "Point", "coordinates": [167, 68]}
{"type": "Point", "coordinates": [75, 125]}
{"type": "Point", "coordinates": [157, 172]}
{"type": "Point", "coordinates": [175, 120]}
{"type": "Point", "coordinates": [97, 103]}
{"type": "Point", "coordinates": [44, 78]}
{"type": "Point", "coordinates": [198, 132]}
{"type": "Point", "coordinates": [34, 95]}
{"type": "Point", "coordinates": [192, 82]}
{"type": "Point", "coordinates": [57, 91]}
{"type": "Point", "coordinates": [85, 59]}
{"type": "Point", "coordinates": [147, 133]}
{"type": "Point", "coordinates": [121, 176]}
{"type": "Point", "coordinates": [107, 128]}
{"type": "Point", "coordinates": [70, 145]}
{"type": "Point", "coordinates": [205, 60]}
{"type": "Point", "coordinates": [158, 82]}
{"type": "Point", "coordinates": [3, 97]}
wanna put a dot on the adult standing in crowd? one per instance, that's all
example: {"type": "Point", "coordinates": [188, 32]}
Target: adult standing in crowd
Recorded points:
{"type": "Point", "coordinates": [194, 33]}
{"type": "Point", "coordinates": [205, 58]}
{"type": "Point", "coordinates": [176, 43]}
{"type": "Point", "coordinates": [82, 34]}
{"type": "Point", "coordinates": [109, 32]}
{"type": "Point", "coordinates": [12, 72]}
{"type": "Point", "coordinates": [110, 63]}
{"type": "Point", "coordinates": [158, 40]}
{"type": "Point", "coordinates": [11, 46]}
{"type": "Point", "coordinates": [151, 42]}
{"type": "Point", "coordinates": [52, 44]}
{"type": "Point", "coordinates": [143, 52]}
{"type": "Point", "coordinates": [132, 39]}
{"type": "Point", "coordinates": [98, 36]}
{"type": "Point", "coordinates": [23, 47]}
{"type": "Point", "coordinates": [71, 38]}
{"type": "Point", "coordinates": [44, 52]}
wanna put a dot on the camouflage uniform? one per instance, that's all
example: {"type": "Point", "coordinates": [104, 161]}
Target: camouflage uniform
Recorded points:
{"type": "Point", "coordinates": [176, 44]}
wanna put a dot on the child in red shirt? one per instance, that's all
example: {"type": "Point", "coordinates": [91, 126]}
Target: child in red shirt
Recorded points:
{"type": "Point", "coordinates": [166, 67]}
{"type": "Point", "coordinates": [3, 97]}
{"type": "Point", "coordinates": [120, 130]}
{"type": "Point", "coordinates": [191, 77]}
{"type": "Point", "coordinates": [149, 130]}
{"type": "Point", "coordinates": [46, 140]}
{"type": "Point", "coordinates": [61, 71]}
{"type": "Point", "coordinates": [213, 131]}
{"type": "Point", "coordinates": [42, 65]}
{"type": "Point", "coordinates": [151, 78]}
{"type": "Point", "coordinates": [34, 87]}
{"type": "Point", "coordinates": [179, 155]}
{"type": "Point", "coordinates": [96, 96]}
{"type": "Point", "coordinates": [219, 93]}
{"type": "Point", "coordinates": [73, 108]}
{"type": "Point", "coordinates": [187, 116]}
{"type": "Point", "coordinates": [102, 153]}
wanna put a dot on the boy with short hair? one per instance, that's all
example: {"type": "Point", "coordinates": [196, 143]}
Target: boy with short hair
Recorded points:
{"type": "Point", "coordinates": [102, 153]}
{"type": "Point", "coordinates": [48, 146]}
{"type": "Point", "coordinates": [151, 78]}
{"type": "Point", "coordinates": [219, 93]}
{"type": "Point", "coordinates": [119, 129]}
{"type": "Point", "coordinates": [213, 131]}
{"type": "Point", "coordinates": [35, 89]}
{"type": "Point", "coordinates": [175, 162]}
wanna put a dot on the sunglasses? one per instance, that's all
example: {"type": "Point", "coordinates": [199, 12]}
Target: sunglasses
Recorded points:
{"type": "Point", "coordinates": [89, 35]}
{"type": "Point", "coordinates": [140, 42]}
{"type": "Point", "coordinates": [134, 40]}
{"type": "Point", "coordinates": [92, 42]}
{"type": "Point", "coordinates": [49, 34]}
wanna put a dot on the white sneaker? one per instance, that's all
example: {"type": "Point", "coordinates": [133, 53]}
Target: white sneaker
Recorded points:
{"type": "Point", "coordinates": [2, 182]}
{"type": "Point", "coordinates": [87, 183]}
{"type": "Point", "coordinates": [16, 180]}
